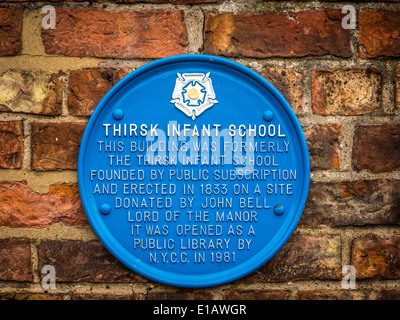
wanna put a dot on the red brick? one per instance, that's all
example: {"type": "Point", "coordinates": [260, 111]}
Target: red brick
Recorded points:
{"type": "Point", "coordinates": [377, 148]}
{"type": "Point", "coordinates": [388, 294]}
{"type": "Point", "coordinates": [374, 257]}
{"type": "Point", "coordinates": [117, 34]}
{"type": "Point", "coordinates": [292, 34]}
{"type": "Point", "coordinates": [288, 82]}
{"type": "Point", "coordinates": [323, 143]}
{"type": "Point", "coordinates": [180, 295]}
{"type": "Point", "coordinates": [171, 1]}
{"type": "Point", "coordinates": [15, 260]}
{"type": "Point", "coordinates": [105, 296]}
{"type": "Point", "coordinates": [88, 86]}
{"type": "Point", "coordinates": [31, 296]}
{"type": "Point", "coordinates": [365, 1]}
{"type": "Point", "coordinates": [80, 261]}
{"type": "Point", "coordinates": [21, 207]}
{"type": "Point", "coordinates": [346, 91]}
{"type": "Point", "coordinates": [373, 0]}
{"type": "Point", "coordinates": [56, 145]}
{"type": "Point", "coordinates": [398, 89]}
{"type": "Point", "coordinates": [126, 1]}
{"type": "Point", "coordinates": [303, 257]}
{"type": "Point", "coordinates": [236, 294]}
{"type": "Point", "coordinates": [333, 295]}
{"type": "Point", "coordinates": [10, 31]}
{"type": "Point", "coordinates": [352, 203]}
{"type": "Point", "coordinates": [42, 92]}
{"type": "Point", "coordinates": [90, 1]}
{"type": "Point", "coordinates": [379, 33]}
{"type": "Point", "coordinates": [11, 144]}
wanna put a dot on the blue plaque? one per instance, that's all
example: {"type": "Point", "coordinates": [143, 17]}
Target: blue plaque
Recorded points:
{"type": "Point", "coordinates": [193, 171]}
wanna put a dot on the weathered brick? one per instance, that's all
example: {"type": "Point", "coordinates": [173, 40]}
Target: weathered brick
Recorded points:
{"type": "Point", "coordinates": [288, 82]}
{"type": "Point", "coordinates": [374, 0]}
{"type": "Point", "coordinates": [398, 89]}
{"type": "Point", "coordinates": [303, 257]}
{"type": "Point", "coordinates": [31, 296]}
{"type": "Point", "coordinates": [379, 33]}
{"type": "Point", "coordinates": [117, 34]}
{"type": "Point", "coordinates": [56, 145]}
{"type": "Point", "coordinates": [172, 1]}
{"type": "Point", "coordinates": [236, 294]}
{"type": "Point", "coordinates": [23, 208]}
{"type": "Point", "coordinates": [80, 261]}
{"type": "Point", "coordinates": [10, 31]}
{"type": "Point", "coordinates": [377, 148]}
{"type": "Point", "coordinates": [31, 92]}
{"type": "Point", "coordinates": [352, 203]}
{"type": "Point", "coordinates": [88, 86]}
{"type": "Point", "coordinates": [90, 1]}
{"type": "Point", "coordinates": [374, 257]}
{"type": "Point", "coordinates": [15, 260]}
{"type": "Point", "coordinates": [323, 143]}
{"type": "Point", "coordinates": [334, 295]}
{"type": "Point", "coordinates": [388, 294]}
{"type": "Point", "coordinates": [11, 144]}
{"type": "Point", "coordinates": [346, 91]}
{"type": "Point", "coordinates": [105, 296]}
{"type": "Point", "coordinates": [180, 295]}
{"type": "Point", "coordinates": [291, 34]}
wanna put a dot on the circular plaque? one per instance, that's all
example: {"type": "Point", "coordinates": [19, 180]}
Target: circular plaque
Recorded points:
{"type": "Point", "coordinates": [193, 171]}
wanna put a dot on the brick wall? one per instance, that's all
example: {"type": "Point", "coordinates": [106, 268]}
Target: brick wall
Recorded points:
{"type": "Point", "coordinates": [344, 86]}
